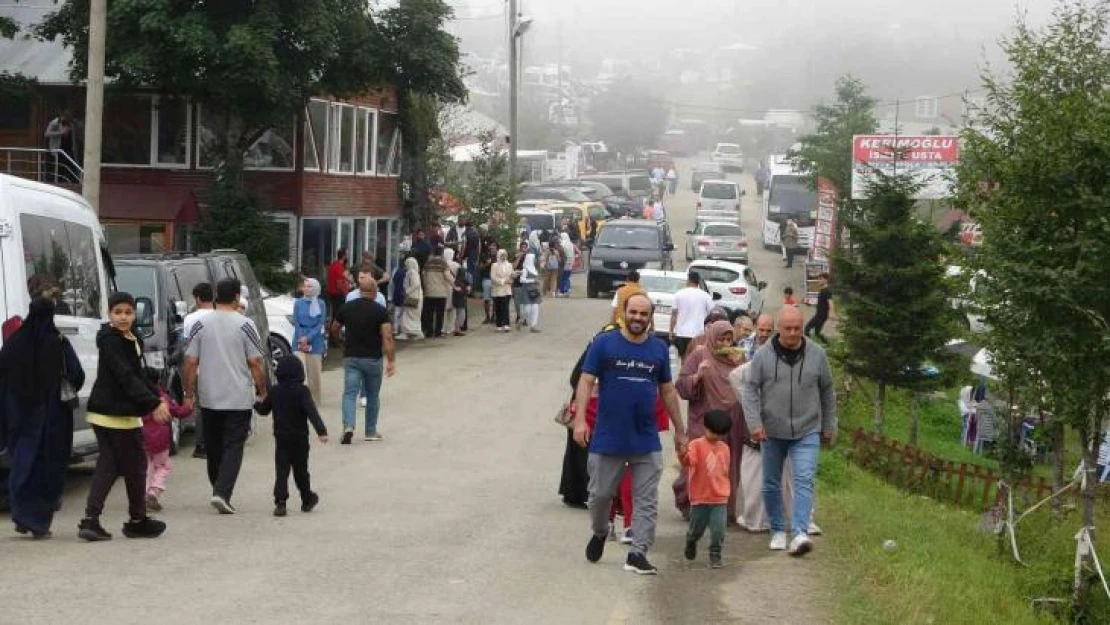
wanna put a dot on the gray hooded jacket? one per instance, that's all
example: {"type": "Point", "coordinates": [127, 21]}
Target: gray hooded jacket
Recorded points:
{"type": "Point", "coordinates": [790, 401]}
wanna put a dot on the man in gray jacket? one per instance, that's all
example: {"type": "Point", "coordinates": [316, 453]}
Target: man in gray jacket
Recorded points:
{"type": "Point", "coordinates": [790, 407]}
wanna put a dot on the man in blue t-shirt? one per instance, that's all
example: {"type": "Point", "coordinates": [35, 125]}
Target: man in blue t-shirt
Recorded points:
{"type": "Point", "coordinates": [633, 369]}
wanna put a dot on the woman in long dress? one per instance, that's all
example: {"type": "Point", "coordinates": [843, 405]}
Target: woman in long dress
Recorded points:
{"type": "Point", "coordinates": [36, 426]}
{"type": "Point", "coordinates": [704, 382]}
{"type": "Point", "coordinates": [530, 281]}
{"type": "Point", "coordinates": [414, 301]}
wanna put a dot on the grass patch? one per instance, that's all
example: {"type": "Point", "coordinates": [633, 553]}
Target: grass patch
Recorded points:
{"type": "Point", "coordinates": [942, 570]}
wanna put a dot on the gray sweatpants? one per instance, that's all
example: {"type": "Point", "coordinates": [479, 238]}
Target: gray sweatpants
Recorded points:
{"type": "Point", "coordinates": [605, 478]}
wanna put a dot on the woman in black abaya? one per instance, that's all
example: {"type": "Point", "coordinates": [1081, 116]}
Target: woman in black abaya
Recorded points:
{"type": "Point", "coordinates": [35, 425]}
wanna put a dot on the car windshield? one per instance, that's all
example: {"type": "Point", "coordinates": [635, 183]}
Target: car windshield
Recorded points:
{"type": "Point", "coordinates": [634, 237]}
{"type": "Point", "coordinates": [138, 280]}
{"type": "Point", "coordinates": [791, 198]}
{"type": "Point", "coordinates": [718, 191]}
{"type": "Point", "coordinates": [708, 168]}
{"type": "Point", "coordinates": [188, 276]}
{"type": "Point", "coordinates": [722, 230]}
{"type": "Point", "coordinates": [726, 148]}
{"type": "Point", "coordinates": [716, 274]}
{"type": "Point", "coordinates": [539, 221]}
{"type": "Point", "coordinates": [662, 284]}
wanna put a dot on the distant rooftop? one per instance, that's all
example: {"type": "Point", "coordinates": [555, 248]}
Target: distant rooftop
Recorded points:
{"type": "Point", "coordinates": [45, 61]}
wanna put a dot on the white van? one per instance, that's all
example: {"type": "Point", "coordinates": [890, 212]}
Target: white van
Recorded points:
{"type": "Point", "coordinates": [51, 244]}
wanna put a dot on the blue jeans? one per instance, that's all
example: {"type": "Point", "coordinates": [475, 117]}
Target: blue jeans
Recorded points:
{"type": "Point", "coordinates": [365, 375]}
{"type": "Point", "coordinates": [564, 281]}
{"type": "Point", "coordinates": [803, 463]}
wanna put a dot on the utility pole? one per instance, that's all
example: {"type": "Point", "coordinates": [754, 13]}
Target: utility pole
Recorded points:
{"type": "Point", "coordinates": [94, 103]}
{"type": "Point", "coordinates": [513, 18]}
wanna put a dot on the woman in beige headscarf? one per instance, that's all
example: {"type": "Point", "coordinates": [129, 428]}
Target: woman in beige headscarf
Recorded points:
{"type": "Point", "coordinates": [449, 317]}
{"type": "Point", "coordinates": [414, 300]}
{"type": "Point", "coordinates": [704, 382]}
{"type": "Point", "coordinates": [501, 278]}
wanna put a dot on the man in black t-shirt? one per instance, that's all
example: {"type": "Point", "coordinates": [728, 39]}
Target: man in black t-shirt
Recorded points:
{"type": "Point", "coordinates": [824, 309]}
{"type": "Point", "coordinates": [369, 338]}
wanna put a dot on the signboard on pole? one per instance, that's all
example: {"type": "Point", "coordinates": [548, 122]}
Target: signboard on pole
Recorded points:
{"type": "Point", "coordinates": [824, 237]}
{"type": "Point", "coordinates": [931, 159]}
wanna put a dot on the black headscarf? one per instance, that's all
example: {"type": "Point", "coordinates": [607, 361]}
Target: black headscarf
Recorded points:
{"type": "Point", "coordinates": [31, 359]}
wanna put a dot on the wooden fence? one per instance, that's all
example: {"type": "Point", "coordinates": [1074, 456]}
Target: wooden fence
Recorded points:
{"type": "Point", "coordinates": [915, 470]}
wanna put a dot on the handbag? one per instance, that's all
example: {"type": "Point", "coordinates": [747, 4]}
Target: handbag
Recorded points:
{"type": "Point", "coordinates": [565, 414]}
{"type": "Point", "coordinates": [533, 292]}
{"type": "Point", "coordinates": [412, 302]}
{"type": "Point", "coordinates": [67, 394]}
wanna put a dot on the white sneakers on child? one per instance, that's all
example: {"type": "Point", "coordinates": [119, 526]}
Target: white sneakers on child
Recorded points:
{"type": "Point", "coordinates": [778, 541]}
{"type": "Point", "coordinates": [800, 546]}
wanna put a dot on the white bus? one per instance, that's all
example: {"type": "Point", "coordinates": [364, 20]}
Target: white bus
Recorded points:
{"type": "Point", "coordinates": [52, 245]}
{"type": "Point", "coordinates": [788, 196]}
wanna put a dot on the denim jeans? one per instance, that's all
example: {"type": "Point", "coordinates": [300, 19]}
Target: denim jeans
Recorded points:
{"type": "Point", "coordinates": [361, 374]}
{"type": "Point", "coordinates": [564, 281]}
{"type": "Point", "coordinates": [802, 453]}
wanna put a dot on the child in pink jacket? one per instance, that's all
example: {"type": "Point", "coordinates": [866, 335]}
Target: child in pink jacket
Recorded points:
{"type": "Point", "coordinates": [158, 437]}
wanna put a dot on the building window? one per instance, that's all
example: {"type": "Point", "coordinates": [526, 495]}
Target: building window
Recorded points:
{"type": "Point", "coordinates": [367, 139]}
{"type": "Point", "coordinates": [926, 107]}
{"type": "Point", "coordinates": [317, 121]}
{"type": "Point", "coordinates": [387, 149]}
{"type": "Point", "coordinates": [342, 139]}
{"type": "Point", "coordinates": [146, 131]}
{"type": "Point", "coordinates": [273, 149]}
{"type": "Point", "coordinates": [15, 112]}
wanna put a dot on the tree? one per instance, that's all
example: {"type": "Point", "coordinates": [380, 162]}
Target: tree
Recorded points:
{"type": "Point", "coordinates": [255, 62]}
{"type": "Point", "coordinates": [628, 115]}
{"type": "Point", "coordinates": [828, 151]}
{"type": "Point", "coordinates": [1035, 173]}
{"type": "Point", "coordinates": [893, 293]}
{"type": "Point", "coordinates": [424, 63]}
{"type": "Point", "coordinates": [13, 86]}
{"type": "Point", "coordinates": [489, 196]}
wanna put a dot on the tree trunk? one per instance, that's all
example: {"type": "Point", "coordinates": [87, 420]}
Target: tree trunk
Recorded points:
{"type": "Point", "coordinates": [1089, 444]}
{"type": "Point", "coordinates": [232, 167]}
{"type": "Point", "coordinates": [1059, 449]}
{"type": "Point", "coordinates": [418, 210]}
{"type": "Point", "coordinates": [880, 400]}
{"type": "Point", "coordinates": [913, 418]}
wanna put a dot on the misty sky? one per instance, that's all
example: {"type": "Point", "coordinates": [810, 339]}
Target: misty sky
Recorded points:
{"type": "Point", "coordinates": [901, 48]}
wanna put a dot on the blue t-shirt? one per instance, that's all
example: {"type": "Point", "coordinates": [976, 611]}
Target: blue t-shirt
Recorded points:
{"type": "Point", "coordinates": [629, 375]}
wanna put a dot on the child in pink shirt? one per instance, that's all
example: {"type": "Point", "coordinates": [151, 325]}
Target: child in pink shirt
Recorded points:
{"type": "Point", "coordinates": [158, 437]}
{"type": "Point", "coordinates": [708, 461]}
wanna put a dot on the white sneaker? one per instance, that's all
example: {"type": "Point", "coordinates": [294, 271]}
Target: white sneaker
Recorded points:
{"type": "Point", "coordinates": [814, 530]}
{"type": "Point", "coordinates": [778, 541]}
{"type": "Point", "coordinates": [740, 521]}
{"type": "Point", "coordinates": [800, 546]}
{"type": "Point", "coordinates": [362, 402]}
{"type": "Point", "coordinates": [626, 537]}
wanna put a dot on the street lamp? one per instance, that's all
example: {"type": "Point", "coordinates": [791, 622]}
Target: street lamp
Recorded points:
{"type": "Point", "coordinates": [518, 26]}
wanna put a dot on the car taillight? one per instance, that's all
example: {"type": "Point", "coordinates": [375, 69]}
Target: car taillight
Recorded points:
{"type": "Point", "coordinates": [742, 244]}
{"type": "Point", "coordinates": [703, 243]}
{"type": "Point", "coordinates": [737, 290]}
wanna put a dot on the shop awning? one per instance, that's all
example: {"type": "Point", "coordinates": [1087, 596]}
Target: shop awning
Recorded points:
{"type": "Point", "coordinates": [141, 202]}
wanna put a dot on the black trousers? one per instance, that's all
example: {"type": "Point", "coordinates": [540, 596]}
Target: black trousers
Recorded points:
{"type": "Point", "coordinates": [431, 319]}
{"type": "Point", "coordinates": [816, 324]}
{"type": "Point", "coordinates": [225, 433]}
{"type": "Point", "coordinates": [198, 428]}
{"type": "Point", "coordinates": [291, 452]}
{"type": "Point", "coordinates": [122, 454]}
{"type": "Point", "coordinates": [501, 311]}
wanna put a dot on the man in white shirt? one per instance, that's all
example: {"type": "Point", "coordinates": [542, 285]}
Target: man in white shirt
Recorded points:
{"type": "Point", "coordinates": [205, 299]}
{"type": "Point", "coordinates": [688, 312]}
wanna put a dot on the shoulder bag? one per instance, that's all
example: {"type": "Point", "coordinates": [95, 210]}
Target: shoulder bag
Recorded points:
{"type": "Point", "coordinates": [67, 394]}
{"type": "Point", "coordinates": [565, 414]}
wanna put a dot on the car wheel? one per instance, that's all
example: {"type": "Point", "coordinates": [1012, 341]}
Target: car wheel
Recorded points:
{"type": "Point", "coordinates": [175, 436]}
{"type": "Point", "coordinates": [279, 348]}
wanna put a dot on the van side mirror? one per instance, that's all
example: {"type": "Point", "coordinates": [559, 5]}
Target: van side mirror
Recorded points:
{"type": "Point", "coordinates": [716, 296]}
{"type": "Point", "coordinates": [761, 285]}
{"type": "Point", "coordinates": [144, 315]}
{"type": "Point", "coordinates": [669, 247]}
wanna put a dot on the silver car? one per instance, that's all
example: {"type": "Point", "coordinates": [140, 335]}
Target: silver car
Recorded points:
{"type": "Point", "coordinates": [723, 240]}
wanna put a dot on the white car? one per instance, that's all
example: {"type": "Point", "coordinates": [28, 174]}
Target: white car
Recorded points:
{"type": "Point", "coordinates": [735, 283]}
{"type": "Point", "coordinates": [729, 156]}
{"type": "Point", "coordinates": [718, 200]}
{"type": "Point", "coordinates": [661, 287]}
{"type": "Point", "coordinates": [279, 313]}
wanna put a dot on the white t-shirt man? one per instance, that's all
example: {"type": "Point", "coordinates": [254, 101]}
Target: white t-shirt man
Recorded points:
{"type": "Point", "coordinates": [691, 306]}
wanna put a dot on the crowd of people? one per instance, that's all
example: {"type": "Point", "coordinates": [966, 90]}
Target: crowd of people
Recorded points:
{"type": "Point", "coordinates": [760, 405]}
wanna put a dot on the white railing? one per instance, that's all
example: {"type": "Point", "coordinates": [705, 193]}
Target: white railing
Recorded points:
{"type": "Point", "coordinates": [40, 164]}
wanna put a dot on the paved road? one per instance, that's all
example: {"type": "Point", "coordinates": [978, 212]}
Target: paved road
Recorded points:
{"type": "Point", "coordinates": [453, 518]}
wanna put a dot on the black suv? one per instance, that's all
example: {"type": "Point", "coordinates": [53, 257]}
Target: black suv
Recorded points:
{"type": "Point", "coordinates": [626, 244]}
{"type": "Point", "coordinates": [163, 287]}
